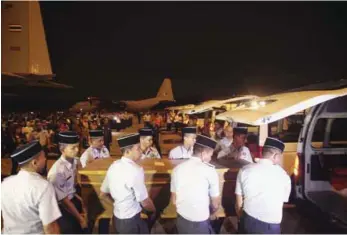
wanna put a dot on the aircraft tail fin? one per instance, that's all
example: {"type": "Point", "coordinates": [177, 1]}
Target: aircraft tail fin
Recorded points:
{"type": "Point", "coordinates": [23, 40]}
{"type": "Point", "coordinates": [165, 91]}
{"type": "Point", "coordinates": [23, 44]}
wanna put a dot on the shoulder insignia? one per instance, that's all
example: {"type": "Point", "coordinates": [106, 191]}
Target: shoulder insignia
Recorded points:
{"type": "Point", "coordinates": [208, 164]}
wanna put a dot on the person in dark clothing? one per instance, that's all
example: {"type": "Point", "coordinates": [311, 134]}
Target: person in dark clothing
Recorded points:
{"type": "Point", "coordinates": [107, 133]}
{"type": "Point", "coordinates": [139, 117]}
{"type": "Point", "coordinates": [156, 139]}
{"type": "Point", "coordinates": [16, 139]}
{"type": "Point", "coordinates": [9, 147]}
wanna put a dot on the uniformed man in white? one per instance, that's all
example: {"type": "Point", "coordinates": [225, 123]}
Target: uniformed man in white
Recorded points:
{"type": "Point", "coordinates": [125, 184]}
{"type": "Point", "coordinates": [186, 149]}
{"type": "Point", "coordinates": [261, 190]}
{"type": "Point", "coordinates": [223, 146]}
{"type": "Point", "coordinates": [97, 149]}
{"type": "Point", "coordinates": [146, 144]}
{"type": "Point", "coordinates": [194, 183]}
{"type": "Point", "coordinates": [63, 176]}
{"type": "Point", "coordinates": [28, 201]}
{"type": "Point", "coordinates": [237, 149]}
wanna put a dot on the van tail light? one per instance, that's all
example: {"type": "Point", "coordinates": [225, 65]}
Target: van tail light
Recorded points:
{"type": "Point", "coordinates": [296, 165]}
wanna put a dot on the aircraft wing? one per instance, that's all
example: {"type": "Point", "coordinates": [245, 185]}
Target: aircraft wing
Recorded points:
{"type": "Point", "coordinates": [50, 84]}
{"type": "Point", "coordinates": [272, 108]}
{"type": "Point", "coordinates": [33, 80]}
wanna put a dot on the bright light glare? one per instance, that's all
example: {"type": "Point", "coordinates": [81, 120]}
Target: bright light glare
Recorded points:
{"type": "Point", "coordinates": [296, 166]}
{"type": "Point", "coordinates": [254, 105]}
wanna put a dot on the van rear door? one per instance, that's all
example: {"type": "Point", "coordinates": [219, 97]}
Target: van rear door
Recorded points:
{"type": "Point", "coordinates": [323, 171]}
{"type": "Point", "coordinates": [275, 107]}
{"type": "Point", "coordinates": [270, 109]}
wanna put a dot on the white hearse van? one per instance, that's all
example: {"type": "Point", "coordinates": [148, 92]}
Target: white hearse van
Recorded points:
{"type": "Point", "coordinates": [317, 160]}
{"type": "Point", "coordinates": [322, 166]}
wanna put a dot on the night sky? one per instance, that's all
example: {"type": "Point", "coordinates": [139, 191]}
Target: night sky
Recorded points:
{"type": "Point", "coordinates": [123, 50]}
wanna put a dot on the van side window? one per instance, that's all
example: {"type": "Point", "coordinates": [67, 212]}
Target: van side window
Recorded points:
{"type": "Point", "coordinates": [287, 129]}
{"type": "Point", "coordinates": [335, 138]}
{"type": "Point", "coordinates": [319, 130]}
{"type": "Point", "coordinates": [338, 133]}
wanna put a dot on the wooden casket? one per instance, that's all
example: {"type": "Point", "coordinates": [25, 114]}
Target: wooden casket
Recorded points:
{"type": "Point", "coordinates": [157, 180]}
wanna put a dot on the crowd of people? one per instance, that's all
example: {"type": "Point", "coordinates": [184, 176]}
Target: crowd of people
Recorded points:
{"type": "Point", "coordinates": [171, 120]}
{"type": "Point", "coordinates": [175, 121]}
{"type": "Point", "coordinates": [20, 128]}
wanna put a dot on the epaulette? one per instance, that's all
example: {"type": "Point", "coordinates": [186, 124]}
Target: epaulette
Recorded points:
{"type": "Point", "coordinates": [210, 165]}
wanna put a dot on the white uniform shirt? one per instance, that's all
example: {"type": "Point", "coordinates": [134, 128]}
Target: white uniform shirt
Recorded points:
{"type": "Point", "coordinates": [180, 152]}
{"type": "Point", "coordinates": [92, 153]}
{"type": "Point", "coordinates": [62, 175]}
{"type": "Point", "coordinates": [264, 187]}
{"type": "Point", "coordinates": [194, 182]}
{"type": "Point", "coordinates": [125, 181]}
{"type": "Point", "coordinates": [28, 203]}
{"type": "Point", "coordinates": [151, 153]}
{"type": "Point", "coordinates": [223, 147]}
{"type": "Point", "coordinates": [234, 153]}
